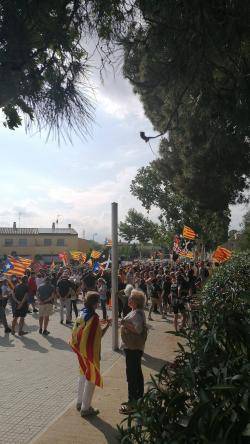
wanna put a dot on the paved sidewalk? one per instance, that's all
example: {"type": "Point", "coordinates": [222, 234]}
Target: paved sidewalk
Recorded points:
{"type": "Point", "coordinates": [70, 428]}
{"type": "Point", "coordinates": [37, 377]}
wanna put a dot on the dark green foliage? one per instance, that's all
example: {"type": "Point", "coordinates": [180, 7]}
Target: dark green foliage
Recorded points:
{"type": "Point", "coordinates": [137, 227]}
{"type": "Point", "coordinates": [189, 61]}
{"type": "Point", "coordinates": [154, 189]}
{"type": "Point", "coordinates": [203, 396]}
{"type": "Point", "coordinates": [43, 65]}
{"type": "Point", "coordinates": [245, 235]}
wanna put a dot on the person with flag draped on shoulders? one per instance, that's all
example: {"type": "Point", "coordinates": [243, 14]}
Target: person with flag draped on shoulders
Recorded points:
{"type": "Point", "coordinates": [86, 343]}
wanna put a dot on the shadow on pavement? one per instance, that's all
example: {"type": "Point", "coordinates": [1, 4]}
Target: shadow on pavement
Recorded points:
{"type": "Point", "coordinates": [152, 362]}
{"type": "Point", "coordinates": [6, 341]}
{"type": "Point", "coordinates": [109, 432]}
{"type": "Point", "coordinates": [31, 344]}
{"type": "Point", "coordinates": [58, 343]}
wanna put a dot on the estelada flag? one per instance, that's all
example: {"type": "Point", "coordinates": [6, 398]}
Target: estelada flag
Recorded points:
{"type": "Point", "coordinates": [13, 266]}
{"type": "Point", "coordinates": [189, 233]}
{"type": "Point", "coordinates": [86, 343]}
{"type": "Point", "coordinates": [95, 254]}
{"type": "Point", "coordinates": [221, 254]}
{"type": "Point", "coordinates": [78, 256]}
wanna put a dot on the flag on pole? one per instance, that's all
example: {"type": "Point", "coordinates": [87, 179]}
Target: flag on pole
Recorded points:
{"type": "Point", "coordinates": [78, 256]}
{"type": "Point", "coordinates": [95, 254]}
{"type": "Point", "coordinates": [189, 233]}
{"type": "Point", "coordinates": [14, 266]}
{"type": "Point", "coordinates": [25, 261]}
{"type": "Point", "coordinates": [221, 254]}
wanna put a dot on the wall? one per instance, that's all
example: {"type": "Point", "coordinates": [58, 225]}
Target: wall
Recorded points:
{"type": "Point", "coordinates": [36, 244]}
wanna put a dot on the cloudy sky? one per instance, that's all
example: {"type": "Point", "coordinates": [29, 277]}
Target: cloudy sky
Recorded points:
{"type": "Point", "coordinates": [41, 180]}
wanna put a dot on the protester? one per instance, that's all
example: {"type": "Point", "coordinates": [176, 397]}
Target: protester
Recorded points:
{"type": "Point", "coordinates": [73, 297]}
{"type": "Point", "coordinates": [45, 296]}
{"type": "Point", "coordinates": [86, 343]}
{"type": "Point", "coordinates": [3, 303]}
{"type": "Point", "coordinates": [32, 289]}
{"type": "Point", "coordinates": [177, 302]}
{"type": "Point", "coordinates": [154, 292]}
{"type": "Point", "coordinates": [20, 305]}
{"type": "Point", "coordinates": [102, 290]}
{"type": "Point", "coordinates": [134, 335]}
{"type": "Point", "coordinates": [63, 291]}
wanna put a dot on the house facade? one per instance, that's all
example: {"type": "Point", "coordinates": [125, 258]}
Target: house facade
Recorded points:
{"type": "Point", "coordinates": [45, 242]}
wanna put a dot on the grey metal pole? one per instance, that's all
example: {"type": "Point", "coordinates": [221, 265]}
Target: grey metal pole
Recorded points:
{"type": "Point", "coordinates": [114, 280]}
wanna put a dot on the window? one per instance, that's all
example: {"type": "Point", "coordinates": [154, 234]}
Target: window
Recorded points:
{"type": "Point", "coordinates": [8, 242]}
{"type": "Point", "coordinates": [60, 242]}
{"type": "Point", "coordinates": [23, 242]}
{"type": "Point", "coordinates": [47, 242]}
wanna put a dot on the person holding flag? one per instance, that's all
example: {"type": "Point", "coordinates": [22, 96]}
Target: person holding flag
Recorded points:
{"type": "Point", "coordinates": [86, 343]}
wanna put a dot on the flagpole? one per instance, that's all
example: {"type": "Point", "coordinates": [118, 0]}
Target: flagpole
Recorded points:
{"type": "Point", "coordinates": [114, 276]}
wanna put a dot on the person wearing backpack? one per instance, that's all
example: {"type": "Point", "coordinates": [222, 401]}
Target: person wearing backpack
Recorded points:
{"type": "Point", "coordinates": [134, 336]}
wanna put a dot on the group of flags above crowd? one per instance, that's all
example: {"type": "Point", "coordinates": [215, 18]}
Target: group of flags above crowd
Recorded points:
{"type": "Point", "coordinates": [184, 244]}
{"type": "Point", "coordinates": [95, 260]}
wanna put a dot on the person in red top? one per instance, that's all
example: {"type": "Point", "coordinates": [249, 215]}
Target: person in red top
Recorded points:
{"type": "Point", "coordinates": [32, 289]}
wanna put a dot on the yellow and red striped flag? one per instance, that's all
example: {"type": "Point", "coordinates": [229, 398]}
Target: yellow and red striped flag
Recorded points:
{"type": "Point", "coordinates": [86, 343]}
{"type": "Point", "coordinates": [15, 267]}
{"type": "Point", "coordinates": [189, 233]}
{"type": "Point", "coordinates": [221, 254]}
{"type": "Point", "coordinates": [78, 256]}
{"type": "Point", "coordinates": [95, 254]}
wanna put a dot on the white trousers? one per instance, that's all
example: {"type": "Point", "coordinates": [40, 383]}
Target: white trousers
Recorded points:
{"type": "Point", "coordinates": [67, 304]}
{"type": "Point", "coordinates": [85, 392]}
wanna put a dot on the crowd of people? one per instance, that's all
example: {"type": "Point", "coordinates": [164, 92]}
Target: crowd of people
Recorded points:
{"type": "Point", "coordinates": [160, 288]}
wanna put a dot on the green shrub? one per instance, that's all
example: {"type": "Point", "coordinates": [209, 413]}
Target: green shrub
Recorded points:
{"type": "Point", "coordinates": [204, 395]}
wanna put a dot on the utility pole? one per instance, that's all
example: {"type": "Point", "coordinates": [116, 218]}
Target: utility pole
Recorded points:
{"type": "Point", "coordinates": [114, 273]}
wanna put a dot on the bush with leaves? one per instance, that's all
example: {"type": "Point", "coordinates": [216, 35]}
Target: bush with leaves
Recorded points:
{"type": "Point", "coordinates": [204, 395]}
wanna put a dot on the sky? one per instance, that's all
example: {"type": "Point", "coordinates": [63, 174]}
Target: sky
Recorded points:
{"type": "Point", "coordinates": [76, 183]}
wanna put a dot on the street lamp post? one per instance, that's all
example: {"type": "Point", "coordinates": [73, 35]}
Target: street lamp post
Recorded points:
{"type": "Point", "coordinates": [114, 273]}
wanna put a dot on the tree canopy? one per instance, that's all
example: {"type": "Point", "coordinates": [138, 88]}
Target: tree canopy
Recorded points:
{"type": "Point", "coordinates": [190, 62]}
{"type": "Point", "coordinates": [44, 60]}
{"type": "Point", "coordinates": [137, 227]}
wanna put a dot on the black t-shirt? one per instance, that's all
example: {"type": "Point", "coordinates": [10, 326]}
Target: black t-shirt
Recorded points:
{"type": "Point", "coordinates": [20, 291]}
{"type": "Point", "coordinates": [166, 286]}
{"type": "Point", "coordinates": [63, 287]}
{"type": "Point", "coordinates": [155, 289]}
{"type": "Point", "coordinates": [45, 291]}
{"type": "Point", "coordinates": [89, 281]}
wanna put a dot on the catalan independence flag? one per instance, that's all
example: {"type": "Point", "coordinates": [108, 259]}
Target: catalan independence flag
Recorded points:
{"type": "Point", "coordinates": [86, 343]}
{"type": "Point", "coordinates": [78, 256]}
{"type": "Point", "coordinates": [16, 266]}
{"type": "Point", "coordinates": [189, 233]}
{"type": "Point", "coordinates": [95, 254]}
{"type": "Point", "coordinates": [221, 254]}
